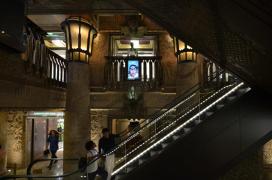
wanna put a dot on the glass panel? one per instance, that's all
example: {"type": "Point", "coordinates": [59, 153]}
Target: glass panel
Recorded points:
{"type": "Point", "coordinates": [84, 31]}
{"type": "Point", "coordinates": [181, 45]}
{"type": "Point", "coordinates": [74, 28]}
{"type": "Point", "coordinates": [91, 40]}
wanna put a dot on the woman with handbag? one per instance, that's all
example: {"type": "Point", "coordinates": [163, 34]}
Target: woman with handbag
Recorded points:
{"type": "Point", "coordinates": [53, 140]}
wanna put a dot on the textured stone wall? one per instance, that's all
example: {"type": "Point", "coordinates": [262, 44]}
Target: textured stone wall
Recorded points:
{"type": "Point", "coordinates": [267, 154]}
{"type": "Point", "coordinates": [16, 138]}
{"type": "Point", "coordinates": [169, 62]}
{"type": "Point", "coordinates": [248, 169]}
{"type": "Point", "coordinates": [98, 121]}
{"type": "Point", "coordinates": [98, 60]}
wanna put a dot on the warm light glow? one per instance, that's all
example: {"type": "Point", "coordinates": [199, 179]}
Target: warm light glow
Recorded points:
{"type": "Point", "coordinates": [79, 34]}
{"type": "Point", "coordinates": [136, 43]}
{"type": "Point", "coordinates": [59, 43]}
{"type": "Point", "coordinates": [183, 51]}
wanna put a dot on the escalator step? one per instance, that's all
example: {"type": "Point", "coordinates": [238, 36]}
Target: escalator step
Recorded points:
{"type": "Point", "coordinates": [230, 98]}
{"type": "Point", "coordinates": [219, 106]}
{"type": "Point", "coordinates": [197, 121]}
{"type": "Point", "coordinates": [209, 113]}
{"type": "Point", "coordinates": [119, 176]}
{"type": "Point", "coordinates": [176, 136]}
{"type": "Point", "coordinates": [164, 144]}
{"type": "Point", "coordinates": [130, 168]}
{"type": "Point", "coordinates": [155, 152]}
{"type": "Point", "coordinates": [142, 160]}
{"type": "Point", "coordinates": [186, 130]}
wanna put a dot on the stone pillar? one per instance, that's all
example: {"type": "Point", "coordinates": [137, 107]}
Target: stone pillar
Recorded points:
{"type": "Point", "coordinates": [76, 124]}
{"type": "Point", "coordinates": [3, 141]}
{"type": "Point", "coordinates": [187, 76]}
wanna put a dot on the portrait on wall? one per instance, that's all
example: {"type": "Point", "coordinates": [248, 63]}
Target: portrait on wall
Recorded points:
{"type": "Point", "coordinates": [133, 70]}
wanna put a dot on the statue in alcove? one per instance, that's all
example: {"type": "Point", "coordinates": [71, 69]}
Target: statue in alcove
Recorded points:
{"type": "Point", "coordinates": [132, 51]}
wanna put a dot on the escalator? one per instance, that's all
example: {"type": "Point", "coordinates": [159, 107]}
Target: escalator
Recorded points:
{"type": "Point", "coordinates": [161, 132]}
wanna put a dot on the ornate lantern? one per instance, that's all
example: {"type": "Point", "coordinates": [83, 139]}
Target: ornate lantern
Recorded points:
{"type": "Point", "coordinates": [183, 51]}
{"type": "Point", "coordinates": [79, 34]}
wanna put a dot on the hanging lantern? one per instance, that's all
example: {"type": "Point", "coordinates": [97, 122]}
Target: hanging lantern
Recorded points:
{"type": "Point", "coordinates": [183, 52]}
{"type": "Point", "coordinates": [79, 34]}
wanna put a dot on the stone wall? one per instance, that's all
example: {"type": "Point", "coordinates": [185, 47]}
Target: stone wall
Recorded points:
{"type": "Point", "coordinates": [248, 169]}
{"type": "Point", "coordinates": [16, 138]}
{"type": "Point", "coordinates": [169, 62]}
{"type": "Point", "coordinates": [98, 60]}
{"type": "Point", "coordinates": [98, 121]}
{"type": "Point", "coordinates": [267, 154]}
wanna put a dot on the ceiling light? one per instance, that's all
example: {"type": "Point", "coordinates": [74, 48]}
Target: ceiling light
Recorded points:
{"type": "Point", "coordinates": [59, 43]}
{"type": "Point", "coordinates": [136, 43]}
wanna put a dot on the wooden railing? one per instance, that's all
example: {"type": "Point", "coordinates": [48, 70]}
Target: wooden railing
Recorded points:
{"type": "Point", "coordinates": [116, 72]}
{"type": "Point", "coordinates": [40, 60]}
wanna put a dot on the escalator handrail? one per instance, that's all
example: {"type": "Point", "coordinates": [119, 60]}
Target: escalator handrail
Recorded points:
{"type": "Point", "coordinates": [30, 176]}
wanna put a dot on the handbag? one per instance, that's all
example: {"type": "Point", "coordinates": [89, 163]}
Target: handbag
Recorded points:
{"type": "Point", "coordinates": [46, 152]}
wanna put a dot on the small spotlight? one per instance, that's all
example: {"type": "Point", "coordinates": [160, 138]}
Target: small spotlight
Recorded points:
{"type": "Point", "coordinates": [9, 170]}
{"type": "Point", "coordinates": [3, 32]}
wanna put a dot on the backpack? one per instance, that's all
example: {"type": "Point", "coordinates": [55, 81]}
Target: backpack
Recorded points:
{"type": "Point", "coordinates": [82, 164]}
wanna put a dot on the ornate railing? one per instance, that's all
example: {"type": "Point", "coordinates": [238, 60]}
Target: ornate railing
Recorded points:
{"type": "Point", "coordinates": [40, 60]}
{"type": "Point", "coordinates": [116, 72]}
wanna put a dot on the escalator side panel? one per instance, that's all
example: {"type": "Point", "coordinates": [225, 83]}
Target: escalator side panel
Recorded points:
{"type": "Point", "coordinates": [217, 144]}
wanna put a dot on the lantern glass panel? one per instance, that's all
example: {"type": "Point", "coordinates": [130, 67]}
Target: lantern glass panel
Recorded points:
{"type": "Point", "coordinates": [92, 34]}
{"type": "Point", "coordinates": [181, 45]}
{"type": "Point", "coordinates": [182, 57]}
{"type": "Point", "coordinates": [74, 30]}
{"type": "Point", "coordinates": [190, 55]}
{"type": "Point", "coordinates": [67, 37]}
{"type": "Point", "coordinates": [84, 31]}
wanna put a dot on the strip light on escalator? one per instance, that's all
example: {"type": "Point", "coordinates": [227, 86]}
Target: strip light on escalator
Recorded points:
{"type": "Point", "coordinates": [176, 130]}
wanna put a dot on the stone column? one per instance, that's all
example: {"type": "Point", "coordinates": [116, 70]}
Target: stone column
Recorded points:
{"type": "Point", "coordinates": [3, 141]}
{"type": "Point", "coordinates": [76, 124]}
{"type": "Point", "coordinates": [187, 76]}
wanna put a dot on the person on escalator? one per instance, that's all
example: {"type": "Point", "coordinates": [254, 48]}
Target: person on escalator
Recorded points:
{"type": "Point", "coordinates": [93, 169]}
{"type": "Point", "coordinates": [106, 144]}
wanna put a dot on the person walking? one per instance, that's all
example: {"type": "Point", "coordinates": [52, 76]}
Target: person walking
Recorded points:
{"type": "Point", "coordinates": [53, 141]}
{"type": "Point", "coordinates": [93, 169]}
{"type": "Point", "coordinates": [106, 144]}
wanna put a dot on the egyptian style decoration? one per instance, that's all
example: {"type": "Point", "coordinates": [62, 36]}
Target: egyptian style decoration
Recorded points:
{"type": "Point", "coordinates": [134, 27]}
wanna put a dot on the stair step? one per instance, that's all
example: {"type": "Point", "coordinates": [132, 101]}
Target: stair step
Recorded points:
{"type": "Point", "coordinates": [197, 121]}
{"type": "Point", "coordinates": [164, 144]}
{"type": "Point", "coordinates": [230, 98]}
{"type": "Point", "coordinates": [155, 152]}
{"type": "Point", "coordinates": [176, 136]}
{"type": "Point", "coordinates": [219, 106]}
{"type": "Point", "coordinates": [186, 130]}
{"type": "Point", "coordinates": [209, 113]}
{"type": "Point", "coordinates": [142, 160]}
{"type": "Point", "coordinates": [130, 168]}
{"type": "Point", "coordinates": [119, 176]}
